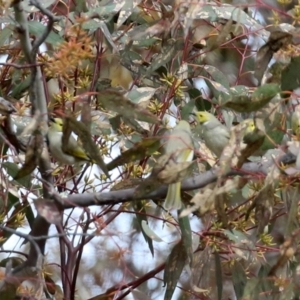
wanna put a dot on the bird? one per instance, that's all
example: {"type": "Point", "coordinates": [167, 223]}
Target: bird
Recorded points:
{"type": "Point", "coordinates": [73, 153]}
{"type": "Point", "coordinates": [179, 149]}
{"type": "Point", "coordinates": [214, 133]}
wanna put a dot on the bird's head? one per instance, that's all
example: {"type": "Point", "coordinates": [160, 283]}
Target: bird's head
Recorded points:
{"type": "Point", "coordinates": [250, 126]}
{"type": "Point", "coordinates": [56, 124]}
{"type": "Point", "coordinates": [203, 116]}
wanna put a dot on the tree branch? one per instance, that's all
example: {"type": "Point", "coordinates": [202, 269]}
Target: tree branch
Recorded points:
{"type": "Point", "coordinates": [17, 275]}
{"type": "Point", "coordinates": [23, 31]}
{"type": "Point", "coordinates": [39, 104]}
{"type": "Point", "coordinates": [20, 67]}
{"type": "Point", "coordinates": [196, 182]}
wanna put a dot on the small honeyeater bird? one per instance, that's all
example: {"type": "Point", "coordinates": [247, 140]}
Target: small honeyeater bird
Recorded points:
{"type": "Point", "coordinates": [73, 154]}
{"type": "Point", "coordinates": [215, 134]}
{"type": "Point", "coordinates": [179, 146]}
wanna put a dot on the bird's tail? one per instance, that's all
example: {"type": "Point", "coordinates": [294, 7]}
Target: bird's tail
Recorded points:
{"type": "Point", "coordinates": [173, 199]}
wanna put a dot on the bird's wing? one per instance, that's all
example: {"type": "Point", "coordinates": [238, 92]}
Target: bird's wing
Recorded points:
{"type": "Point", "coordinates": [75, 150]}
{"type": "Point", "coordinates": [185, 155]}
{"type": "Point", "coordinates": [182, 146]}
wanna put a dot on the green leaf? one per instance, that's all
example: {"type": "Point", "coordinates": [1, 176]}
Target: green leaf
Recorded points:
{"type": "Point", "coordinates": [167, 53]}
{"type": "Point", "coordinates": [12, 200]}
{"type": "Point", "coordinates": [36, 28]}
{"type": "Point", "coordinates": [225, 11]}
{"type": "Point", "coordinates": [207, 13]}
{"type": "Point", "coordinates": [141, 95]}
{"type": "Point", "coordinates": [107, 34]}
{"type": "Point", "coordinates": [81, 6]}
{"type": "Point", "coordinates": [263, 57]}
{"type": "Point", "coordinates": [115, 101]}
{"type": "Point", "coordinates": [251, 290]}
{"type": "Point", "coordinates": [115, 122]}
{"type": "Point", "coordinates": [187, 109]}
{"type": "Point", "coordinates": [91, 25]}
{"type": "Point", "coordinates": [149, 232]}
{"type": "Point", "coordinates": [5, 34]}
{"type": "Point", "coordinates": [235, 235]}
{"type": "Point", "coordinates": [14, 260]}
{"type": "Point", "coordinates": [133, 62]}
{"type": "Point", "coordinates": [103, 84]}
{"type": "Point", "coordinates": [289, 292]}
{"type": "Point", "coordinates": [217, 82]}
{"type": "Point", "coordinates": [12, 170]}
{"type": "Point", "coordinates": [243, 246]}
{"type": "Point", "coordinates": [12, 222]}
{"type": "Point", "coordinates": [28, 212]}
{"type": "Point", "coordinates": [108, 9]}
{"type": "Point", "coordinates": [272, 118]}
{"type": "Point", "coordinates": [174, 266]}
{"type": "Point", "coordinates": [224, 33]}
{"type": "Point", "coordinates": [200, 102]}
{"type": "Point", "coordinates": [292, 222]}
{"type": "Point", "coordinates": [126, 11]}
{"type": "Point", "coordinates": [260, 97]}
{"type": "Point", "coordinates": [141, 38]}
{"type": "Point", "coordinates": [18, 90]}
{"type": "Point", "coordinates": [266, 288]}
{"type": "Point", "coordinates": [239, 279]}
{"type": "Point", "coordinates": [135, 126]}
{"type": "Point", "coordinates": [264, 94]}
{"type": "Point", "coordinates": [220, 93]}
{"type": "Point", "coordinates": [146, 42]}
{"type": "Point", "coordinates": [219, 279]}
{"type": "Point", "coordinates": [272, 139]}
{"type": "Point", "coordinates": [9, 290]}
{"type": "Point", "coordinates": [216, 75]}
{"type": "Point", "coordinates": [31, 8]}
{"type": "Point", "coordinates": [239, 90]}
{"type": "Point", "coordinates": [277, 39]}
{"type": "Point", "coordinates": [264, 271]}
{"type": "Point", "coordinates": [260, 288]}
{"type": "Point", "coordinates": [101, 126]}
{"type": "Point", "coordinates": [239, 98]}
{"type": "Point", "coordinates": [186, 236]}
{"type": "Point", "coordinates": [144, 148]}
{"type": "Point", "coordinates": [290, 76]}
{"type": "Point", "coordinates": [139, 208]}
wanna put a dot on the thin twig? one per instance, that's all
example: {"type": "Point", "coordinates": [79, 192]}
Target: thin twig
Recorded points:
{"type": "Point", "coordinates": [52, 19]}
{"type": "Point", "coordinates": [16, 66]}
